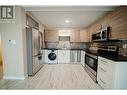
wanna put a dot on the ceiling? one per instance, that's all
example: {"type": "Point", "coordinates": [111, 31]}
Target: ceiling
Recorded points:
{"type": "Point", "coordinates": [79, 16]}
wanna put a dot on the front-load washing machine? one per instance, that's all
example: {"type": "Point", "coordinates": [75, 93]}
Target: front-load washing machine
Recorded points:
{"type": "Point", "coordinates": [51, 56]}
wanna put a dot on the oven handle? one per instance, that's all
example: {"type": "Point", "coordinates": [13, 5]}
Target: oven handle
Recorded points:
{"type": "Point", "coordinates": [95, 57]}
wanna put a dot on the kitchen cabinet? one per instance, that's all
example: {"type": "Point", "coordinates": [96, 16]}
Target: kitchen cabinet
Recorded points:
{"type": "Point", "coordinates": [79, 36]}
{"type": "Point", "coordinates": [92, 29]}
{"type": "Point", "coordinates": [96, 26]}
{"type": "Point", "coordinates": [89, 33]}
{"type": "Point", "coordinates": [105, 20]}
{"type": "Point", "coordinates": [84, 35]}
{"type": "Point", "coordinates": [102, 22]}
{"type": "Point", "coordinates": [51, 36]}
{"type": "Point", "coordinates": [75, 36]}
{"type": "Point", "coordinates": [119, 23]}
{"type": "Point", "coordinates": [111, 74]}
{"type": "Point", "coordinates": [117, 20]}
{"type": "Point", "coordinates": [83, 58]}
{"type": "Point", "coordinates": [63, 56]}
{"type": "Point", "coordinates": [73, 56]}
{"type": "Point", "coordinates": [31, 22]}
{"type": "Point", "coordinates": [78, 56]}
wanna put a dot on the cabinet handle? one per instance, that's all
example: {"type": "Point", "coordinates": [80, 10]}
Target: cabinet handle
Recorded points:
{"type": "Point", "coordinates": [102, 69]}
{"type": "Point", "coordinates": [104, 61]}
{"type": "Point", "coordinates": [102, 81]}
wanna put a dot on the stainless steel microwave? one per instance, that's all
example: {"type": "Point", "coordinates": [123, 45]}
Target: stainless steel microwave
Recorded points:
{"type": "Point", "coordinates": [101, 35]}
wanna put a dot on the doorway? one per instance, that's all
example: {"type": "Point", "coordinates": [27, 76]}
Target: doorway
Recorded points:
{"type": "Point", "coordinates": [1, 62]}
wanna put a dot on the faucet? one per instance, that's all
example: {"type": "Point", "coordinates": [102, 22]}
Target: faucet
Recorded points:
{"type": "Point", "coordinates": [64, 45]}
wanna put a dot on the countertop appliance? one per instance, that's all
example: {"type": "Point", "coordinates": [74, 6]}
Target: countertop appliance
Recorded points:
{"type": "Point", "coordinates": [51, 56]}
{"type": "Point", "coordinates": [91, 60]}
{"type": "Point", "coordinates": [34, 54]}
{"type": "Point", "coordinates": [101, 35]}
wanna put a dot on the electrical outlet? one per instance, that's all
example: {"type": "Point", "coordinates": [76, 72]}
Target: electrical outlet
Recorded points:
{"type": "Point", "coordinates": [124, 46]}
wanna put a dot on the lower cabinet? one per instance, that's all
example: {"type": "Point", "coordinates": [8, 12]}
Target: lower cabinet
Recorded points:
{"type": "Point", "coordinates": [111, 74]}
{"type": "Point", "coordinates": [73, 56]}
{"type": "Point", "coordinates": [78, 56]}
{"type": "Point", "coordinates": [63, 56]}
{"type": "Point", "coordinates": [83, 58]}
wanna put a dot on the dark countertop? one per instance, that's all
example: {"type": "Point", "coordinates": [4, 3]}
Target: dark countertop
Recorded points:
{"type": "Point", "coordinates": [118, 58]}
{"type": "Point", "coordinates": [62, 49]}
{"type": "Point", "coordinates": [114, 58]}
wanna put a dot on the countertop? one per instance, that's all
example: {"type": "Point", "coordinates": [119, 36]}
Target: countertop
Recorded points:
{"type": "Point", "coordinates": [63, 49]}
{"type": "Point", "coordinates": [118, 58]}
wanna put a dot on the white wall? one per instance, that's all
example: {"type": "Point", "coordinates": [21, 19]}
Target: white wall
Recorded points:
{"type": "Point", "coordinates": [14, 56]}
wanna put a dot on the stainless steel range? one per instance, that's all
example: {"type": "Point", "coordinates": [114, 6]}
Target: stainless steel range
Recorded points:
{"type": "Point", "coordinates": [91, 60]}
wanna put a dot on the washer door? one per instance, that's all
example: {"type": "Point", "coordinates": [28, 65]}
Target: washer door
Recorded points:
{"type": "Point", "coordinates": [52, 56]}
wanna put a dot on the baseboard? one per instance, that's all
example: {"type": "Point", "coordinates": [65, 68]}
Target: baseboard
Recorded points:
{"type": "Point", "coordinates": [14, 78]}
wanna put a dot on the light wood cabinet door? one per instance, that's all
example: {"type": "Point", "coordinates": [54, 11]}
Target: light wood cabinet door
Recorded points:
{"type": "Point", "coordinates": [51, 36]}
{"type": "Point", "coordinates": [84, 35]}
{"type": "Point", "coordinates": [119, 24]}
{"type": "Point", "coordinates": [89, 34]}
{"type": "Point", "coordinates": [106, 20]}
{"type": "Point", "coordinates": [96, 26]}
{"type": "Point", "coordinates": [103, 22]}
{"type": "Point", "coordinates": [75, 36]}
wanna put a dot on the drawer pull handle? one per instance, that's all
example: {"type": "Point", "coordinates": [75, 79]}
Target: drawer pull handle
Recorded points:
{"type": "Point", "coordinates": [102, 81]}
{"type": "Point", "coordinates": [104, 61]}
{"type": "Point", "coordinates": [103, 70]}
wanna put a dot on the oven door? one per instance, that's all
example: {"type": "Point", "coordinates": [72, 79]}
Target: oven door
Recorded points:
{"type": "Point", "coordinates": [91, 62]}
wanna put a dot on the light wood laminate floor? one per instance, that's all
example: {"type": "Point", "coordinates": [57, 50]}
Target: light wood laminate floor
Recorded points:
{"type": "Point", "coordinates": [57, 76]}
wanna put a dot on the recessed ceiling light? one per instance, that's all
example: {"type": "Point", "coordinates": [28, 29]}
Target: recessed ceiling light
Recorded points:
{"type": "Point", "coordinates": [67, 21]}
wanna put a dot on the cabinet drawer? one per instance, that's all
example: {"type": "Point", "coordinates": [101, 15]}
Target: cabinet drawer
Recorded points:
{"type": "Point", "coordinates": [104, 73]}
{"type": "Point", "coordinates": [104, 80]}
{"type": "Point", "coordinates": [106, 66]}
{"type": "Point", "coordinates": [106, 69]}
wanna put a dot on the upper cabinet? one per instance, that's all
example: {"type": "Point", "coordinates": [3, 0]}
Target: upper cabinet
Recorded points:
{"type": "Point", "coordinates": [51, 36]}
{"type": "Point", "coordinates": [84, 35]}
{"type": "Point", "coordinates": [75, 36]}
{"type": "Point", "coordinates": [31, 22]}
{"type": "Point", "coordinates": [119, 24]}
{"type": "Point", "coordinates": [79, 36]}
{"type": "Point", "coordinates": [89, 33]}
{"type": "Point", "coordinates": [99, 24]}
{"type": "Point", "coordinates": [117, 20]}
{"type": "Point", "coordinates": [105, 20]}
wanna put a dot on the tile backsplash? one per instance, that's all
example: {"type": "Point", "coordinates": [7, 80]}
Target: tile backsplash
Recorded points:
{"type": "Point", "coordinates": [67, 44]}
{"type": "Point", "coordinates": [122, 44]}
